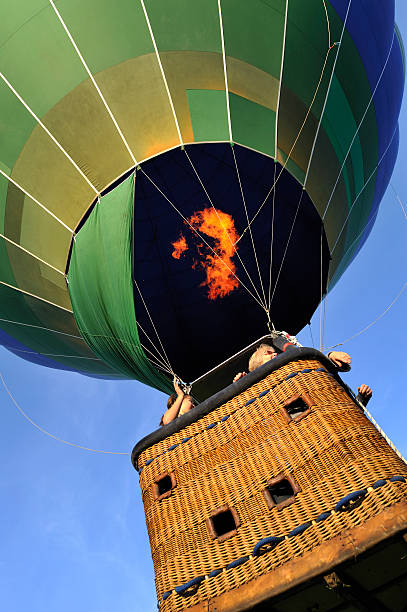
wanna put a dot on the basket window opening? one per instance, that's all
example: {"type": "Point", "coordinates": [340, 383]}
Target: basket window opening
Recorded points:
{"type": "Point", "coordinates": [164, 485]}
{"type": "Point", "coordinates": [223, 523]}
{"type": "Point", "coordinates": [296, 408]}
{"type": "Point", "coordinates": [281, 491]}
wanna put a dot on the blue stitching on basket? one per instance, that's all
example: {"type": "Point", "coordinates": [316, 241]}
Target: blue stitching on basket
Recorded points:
{"type": "Point", "coordinates": [355, 496]}
{"type": "Point", "coordinates": [262, 394]}
{"type": "Point", "coordinates": [275, 540]}
{"type": "Point", "coordinates": [173, 446]}
{"type": "Point", "coordinates": [322, 517]}
{"type": "Point", "coordinates": [237, 562]}
{"type": "Point", "coordinates": [379, 483]}
{"type": "Point", "coordinates": [180, 590]}
{"type": "Point", "coordinates": [271, 540]}
{"type": "Point", "coordinates": [299, 529]}
{"type": "Point", "coordinates": [225, 418]}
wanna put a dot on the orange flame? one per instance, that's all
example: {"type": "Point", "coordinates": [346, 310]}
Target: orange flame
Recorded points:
{"type": "Point", "coordinates": [216, 256]}
{"type": "Point", "coordinates": [180, 246]}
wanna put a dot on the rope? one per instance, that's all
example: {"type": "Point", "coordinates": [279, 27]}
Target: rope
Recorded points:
{"type": "Point", "coordinates": [312, 149]}
{"type": "Point", "coordinates": [47, 433]}
{"type": "Point", "coordinates": [12, 348]}
{"type": "Point", "coordinates": [56, 331]}
{"type": "Point", "coordinates": [399, 201]}
{"type": "Point", "coordinates": [272, 238]}
{"type": "Point", "coordinates": [31, 254]}
{"type": "Point", "coordinates": [327, 23]}
{"type": "Point", "coordinates": [34, 296]}
{"type": "Point", "coordinates": [330, 47]}
{"type": "Point", "coordinates": [92, 78]}
{"type": "Point", "coordinates": [312, 337]}
{"type": "Point", "coordinates": [385, 436]}
{"type": "Point", "coordinates": [250, 229]}
{"type": "Point", "coordinates": [154, 327]}
{"type": "Point", "coordinates": [339, 44]}
{"type": "Point", "coordinates": [225, 71]}
{"type": "Point", "coordinates": [357, 129]}
{"type": "Point", "coordinates": [220, 221]}
{"type": "Point", "coordinates": [321, 343]}
{"type": "Point", "coordinates": [279, 84]}
{"type": "Point", "coordinates": [6, 176]}
{"type": "Point", "coordinates": [199, 235]}
{"type": "Point", "coordinates": [287, 245]}
{"type": "Point", "coordinates": [361, 191]}
{"type": "Point", "coordinates": [404, 287]}
{"type": "Point", "coordinates": [162, 71]}
{"type": "Point", "coordinates": [346, 504]}
{"type": "Point", "coordinates": [46, 130]}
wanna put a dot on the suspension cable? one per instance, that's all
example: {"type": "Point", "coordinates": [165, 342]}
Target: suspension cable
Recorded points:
{"type": "Point", "coordinates": [272, 236]}
{"type": "Point", "coordinates": [47, 433]}
{"type": "Point", "coordinates": [357, 130]}
{"type": "Point", "coordinates": [221, 223]}
{"type": "Point", "coordinates": [199, 235]}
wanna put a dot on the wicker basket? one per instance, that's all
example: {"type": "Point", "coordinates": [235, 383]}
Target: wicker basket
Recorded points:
{"type": "Point", "coordinates": [265, 478]}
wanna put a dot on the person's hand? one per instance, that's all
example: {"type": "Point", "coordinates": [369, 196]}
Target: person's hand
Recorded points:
{"type": "Point", "coordinates": [239, 375]}
{"type": "Point", "coordinates": [340, 359]}
{"type": "Point", "coordinates": [365, 391]}
{"type": "Point", "coordinates": [177, 388]}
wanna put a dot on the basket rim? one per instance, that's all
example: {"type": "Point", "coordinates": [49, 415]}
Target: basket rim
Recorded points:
{"type": "Point", "coordinates": [229, 392]}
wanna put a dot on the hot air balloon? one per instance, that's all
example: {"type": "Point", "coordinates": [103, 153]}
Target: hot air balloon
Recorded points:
{"type": "Point", "coordinates": [180, 178]}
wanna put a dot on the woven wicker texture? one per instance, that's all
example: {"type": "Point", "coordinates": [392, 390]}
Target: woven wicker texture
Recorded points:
{"type": "Point", "coordinates": [228, 456]}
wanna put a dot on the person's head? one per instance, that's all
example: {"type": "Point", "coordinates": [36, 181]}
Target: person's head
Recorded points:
{"type": "Point", "coordinates": [171, 400]}
{"type": "Point", "coordinates": [187, 403]}
{"type": "Point", "coordinates": [264, 353]}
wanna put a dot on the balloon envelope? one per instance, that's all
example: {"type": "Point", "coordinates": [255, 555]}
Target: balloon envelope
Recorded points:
{"type": "Point", "coordinates": [119, 123]}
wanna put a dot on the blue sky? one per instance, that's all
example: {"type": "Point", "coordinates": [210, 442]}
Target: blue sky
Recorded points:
{"type": "Point", "coordinates": [72, 525]}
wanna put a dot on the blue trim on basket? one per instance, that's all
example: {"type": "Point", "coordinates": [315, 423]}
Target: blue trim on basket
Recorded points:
{"type": "Point", "coordinates": [397, 479]}
{"type": "Point", "coordinates": [379, 483]}
{"type": "Point", "coordinates": [322, 517]}
{"type": "Point", "coordinates": [271, 542]}
{"type": "Point", "coordinates": [343, 504]}
{"type": "Point", "coordinates": [180, 590]}
{"type": "Point", "coordinates": [237, 562]}
{"type": "Point", "coordinates": [223, 419]}
{"type": "Point", "coordinates": [299, 529]}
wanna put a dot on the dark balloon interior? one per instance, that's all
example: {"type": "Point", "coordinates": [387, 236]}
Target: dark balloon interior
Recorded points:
{"type": "Point", "coordinates": [197, 332]}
